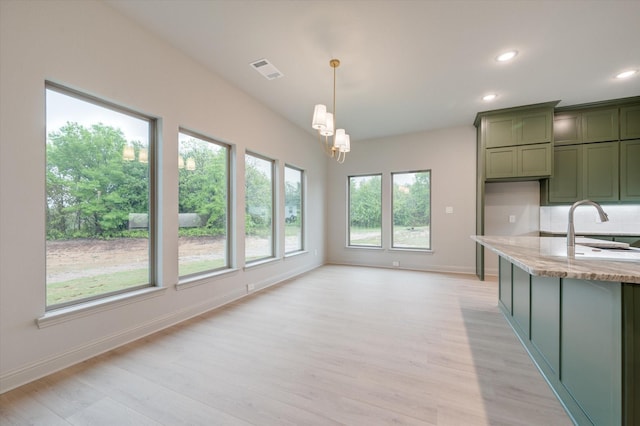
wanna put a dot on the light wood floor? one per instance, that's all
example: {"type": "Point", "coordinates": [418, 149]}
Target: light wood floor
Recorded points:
{"type": "Point", "coordinates": [339, 345]}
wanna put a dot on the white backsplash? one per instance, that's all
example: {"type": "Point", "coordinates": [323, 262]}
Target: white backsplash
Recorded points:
{"type": "Point", "coordinates": [623, 219]}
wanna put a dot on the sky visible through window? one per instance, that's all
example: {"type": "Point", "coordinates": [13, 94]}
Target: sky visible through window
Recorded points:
{"type": "Point", "coordinates": [63, 108]}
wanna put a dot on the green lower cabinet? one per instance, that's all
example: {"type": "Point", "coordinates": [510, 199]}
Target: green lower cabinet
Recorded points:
{"type": "Point", "coordinates": [591, 348]}
{"type": "Point", "coordinates": [584, 336]}
{"type": "Point", "coordinates": [521, 299]}
{"type": "Point", "coordinates": [630, 170]}
{"type": "Point", "coordinates": [505, 272]}
{"type": "Point", "coordinates": [545, 320]}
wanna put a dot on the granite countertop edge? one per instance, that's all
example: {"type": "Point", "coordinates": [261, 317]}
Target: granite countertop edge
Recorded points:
{"type": "Point", "coordinates": [518, 251]}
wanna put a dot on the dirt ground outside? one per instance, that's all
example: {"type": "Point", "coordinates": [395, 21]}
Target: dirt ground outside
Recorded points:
{"type": "Point", "coordinates": [71, 259]}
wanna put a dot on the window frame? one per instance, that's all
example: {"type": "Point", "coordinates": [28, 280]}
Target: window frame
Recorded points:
{"type": "Point", "coordinates": [393, 246]}
{"type": "Point", "coordinates": [152, 124]}
{"type": "Point", "coordinates": [302, 214]}
{"type": "Point", "coordinates": [229, 219]}
{"type": "Point", "coordinates": [272, 255]}
{"type": "Point", "coordinates": [349, 244]}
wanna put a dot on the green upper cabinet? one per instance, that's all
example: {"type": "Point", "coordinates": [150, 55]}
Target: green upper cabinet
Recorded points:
{"type": "Point", "coordinates": [630, 122]}
{"type": "Point", "coordinates": [600, 125]}
{"type": "Point", "coordinates": [567, 129]}
{"type": "Point", "coordinates": [500, 131]}
{"type": "Point", "coordinates": [566, 184]}
{"type": "Point", "coordinates": [519, 128]}
{"type": "Point", "coordinates": [516, 143]}
{"type": "Point", "coordinates": [630, 170]}
{"type": "Point", "coordinates": [524, 161]}
{"type": "Point", "coordinates": [600, 171]}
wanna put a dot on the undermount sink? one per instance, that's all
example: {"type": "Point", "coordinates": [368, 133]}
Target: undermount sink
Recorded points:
{"type": "Point", "coordinates": [627, 254]}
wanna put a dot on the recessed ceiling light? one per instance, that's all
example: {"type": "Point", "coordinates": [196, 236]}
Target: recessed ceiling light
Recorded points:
{"type": "Point", "coordinates": [627, 74]}
{"type": "Point", "coordinates": [489, 97]}
{"type": "Point", "coordinates": [507, 56]}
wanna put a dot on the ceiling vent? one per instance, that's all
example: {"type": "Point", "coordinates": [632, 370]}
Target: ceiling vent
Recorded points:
{"type": "Point", "coordinates": [266, 68]}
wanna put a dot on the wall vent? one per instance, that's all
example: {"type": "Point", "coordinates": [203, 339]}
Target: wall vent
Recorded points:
{"type": "Point", "coordinates": [266, 68]}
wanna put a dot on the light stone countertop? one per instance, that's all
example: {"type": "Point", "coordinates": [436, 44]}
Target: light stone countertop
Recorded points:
{"type": "Point", "coordinates": [547, 257]}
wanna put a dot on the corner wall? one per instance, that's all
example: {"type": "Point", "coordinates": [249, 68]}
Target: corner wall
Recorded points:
{"type": "Point", "coordinates": [88, 46]}
{"type": "Point", "coordinates": [450, 154]}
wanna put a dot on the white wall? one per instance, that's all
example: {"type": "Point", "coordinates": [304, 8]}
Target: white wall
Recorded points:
{"type": "Point", "coordinates": [88, 46]}
{"type": "Point", "coordinates": [521, 200]}
{"type": "Point", "coordinates": [450, 155]}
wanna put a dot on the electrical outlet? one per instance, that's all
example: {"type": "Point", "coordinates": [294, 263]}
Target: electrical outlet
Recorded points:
{"type": "Point", "coordinates": [512, 218]}
{"type": "Point", "coordinates": [448, 210]}
{"type": "Point", "coordinates": [396, 263]}
{"type": "Point", "coordinates": [251, 287]}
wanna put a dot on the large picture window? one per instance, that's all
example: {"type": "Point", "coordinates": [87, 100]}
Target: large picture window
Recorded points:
{"type": "Point", "coordinates": [365, 211]}
{"type": "Point", "coordinates": [411, 210]}
{"type": "Point", "coordinates": [99, 201]}
{"type": "Point", "coordinates": [259, 195]}
{"type": "Point", "coordinates": [203, 170]}
{"type": "Point", "coordinates": [293, 211]}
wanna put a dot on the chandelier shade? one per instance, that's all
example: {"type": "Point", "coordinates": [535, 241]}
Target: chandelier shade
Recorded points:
{"type": "Point", "coordinates": [325, 123]}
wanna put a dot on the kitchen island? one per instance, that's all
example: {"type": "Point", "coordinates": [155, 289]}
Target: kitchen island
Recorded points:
{"type": "Point", "coordinates": [579, 318]}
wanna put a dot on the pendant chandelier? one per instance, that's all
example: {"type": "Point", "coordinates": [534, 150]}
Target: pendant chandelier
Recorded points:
{"type": "Point", "coordinates": [325, 122]}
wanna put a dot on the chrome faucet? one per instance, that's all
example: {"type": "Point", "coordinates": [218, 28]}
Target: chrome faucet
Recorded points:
{"type": "Point", "coordinates": [571, 232]}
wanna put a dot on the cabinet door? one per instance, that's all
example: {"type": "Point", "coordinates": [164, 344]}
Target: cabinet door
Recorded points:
{"type": "Point", "coordinates": [600, 171]}
{"type": "Point", "coordinates": [534, 127]}
{"type": "Point", "coordinates": [566, 184]}
{"type": "Point", "coordinates": [501, 163]}
{"type": "Point", "coordinates": [567, 129]}
{"type": "Point", "coordinates": [630, 122]}
{"type": "Point", "coordinates": [600, 125]}
{"type": "Point", "coordinates": [534, 160]}
{"type": "Point", "coordinates": [521, 299]}
{"type": "Point", "coordinates": [500, 131]}
{"type": "Point", "coordinates": [505, 290]}
{"type": "Point", "coordinates": [630, 170]}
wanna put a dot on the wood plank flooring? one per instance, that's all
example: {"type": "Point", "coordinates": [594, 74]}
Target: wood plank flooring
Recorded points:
{"type": "Point", "coordinates": [340, 345]}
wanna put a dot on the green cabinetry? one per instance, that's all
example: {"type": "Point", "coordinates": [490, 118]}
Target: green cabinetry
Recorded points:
{"type": "Point", "coordinates": [600, 171]}
{"type": "Point", "coordinates": [585, 171]}
{"type": "Point", "coordinates": [630, 122]}
{"type": "Point", "coordinates": [518, 161]}
{"type": "Point", "coordinates": [519, 128]}
{"type": "Point", "coordinates": [600, 125]}
{"type": "Point", "coordinates": [566, 184]}
{"type": "Point", "coordinates": [630, 170]}
{"type": "Point", "coordinates": [586, 126]}
{"type": "Point", "coordinates": [584, 336]}
{"type": "Point", "coordinates": [516, 143]}
{"type": "Point", "coordinates": [567, 128]}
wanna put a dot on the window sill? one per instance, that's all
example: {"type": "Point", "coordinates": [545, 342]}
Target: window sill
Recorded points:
{"type": "Point", "coordinates": [364, 247]}
{"type": "Point", "coordinates": [203, 279]}
{"type": "Point", "coordinates": [414, 250]}
{"type": "Point", "coordinates": [295, 253]}
{"type": "Point", "coordinates": [69, 313]}
{"type": "Point", "coordinates": [261, 262]}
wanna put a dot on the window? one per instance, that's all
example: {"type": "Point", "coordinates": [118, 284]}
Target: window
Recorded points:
{"type": "Point", "coordinates": [203, 207]}
{"type": "Point", "coordinates": [293, 202]}
{"type": "Point", "coordinates": [411, 210]}
{"type": "Point", "coordinates": [365, 211]}
{"type": "Point", "coordinates": [99, 204]}
{"type": "Point", "coordinates": [259, 194]}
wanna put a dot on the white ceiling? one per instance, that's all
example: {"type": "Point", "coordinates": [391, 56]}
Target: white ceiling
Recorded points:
{"type": "Point", "coordinates": [407, 66]}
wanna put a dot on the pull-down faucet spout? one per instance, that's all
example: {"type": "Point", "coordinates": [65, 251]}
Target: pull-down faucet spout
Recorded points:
{"type": "Point", "coordinates": [571, 233]}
